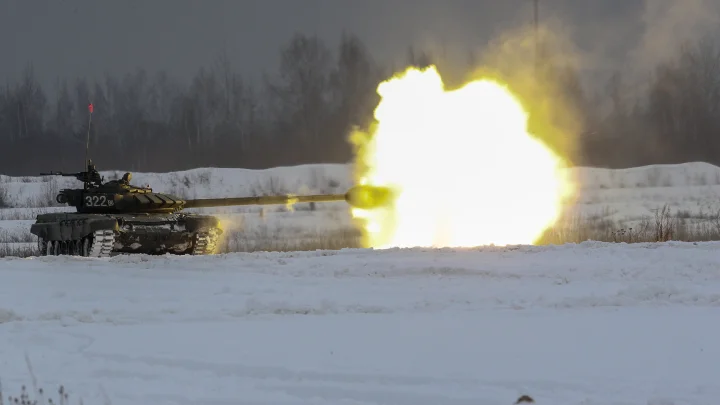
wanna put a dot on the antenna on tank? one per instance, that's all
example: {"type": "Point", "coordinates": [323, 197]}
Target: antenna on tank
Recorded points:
{"type": "Point", "coordinates": [87, 139]}
{"type": "Point", "coordinates": [536, 21]}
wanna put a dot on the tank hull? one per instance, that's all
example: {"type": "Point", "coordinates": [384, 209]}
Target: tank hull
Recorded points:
{"type": "Point", "coordinates": [103, 235]}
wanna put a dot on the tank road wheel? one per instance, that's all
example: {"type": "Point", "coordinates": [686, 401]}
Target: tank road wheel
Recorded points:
{"type": "Point", "coordinates": [99, 244]}
{"type": "Point", "coordinates": [85, 246]}
{"type": "Point", "coordinates": [52, 248]}
{"type": "Point", "coordinates": [205, 242]}
{"type": "Point", "coordinates": [43, 247]}
{"type": "Point", "coordinates": [75, 248]}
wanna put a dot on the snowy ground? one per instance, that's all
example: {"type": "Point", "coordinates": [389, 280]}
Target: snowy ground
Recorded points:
{"type": "Point", "coordinates": [609, 200]}
{"type": "Point", "coordinates": [584, 324]}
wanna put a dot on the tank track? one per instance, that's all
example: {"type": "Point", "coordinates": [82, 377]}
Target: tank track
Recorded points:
{"type": "Point", "coordinates": [205, 242]}
{"type": "Point", "coordinates": [102, 244]}
{"type": "Point", "coordinates": [99, 244]}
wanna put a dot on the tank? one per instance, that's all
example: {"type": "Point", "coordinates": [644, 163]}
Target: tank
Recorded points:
{"type": "Point", "coordinates": [116, 217]}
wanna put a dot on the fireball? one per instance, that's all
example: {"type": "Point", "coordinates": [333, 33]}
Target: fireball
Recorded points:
{"type": "Point", "coordinates": [463, 169]}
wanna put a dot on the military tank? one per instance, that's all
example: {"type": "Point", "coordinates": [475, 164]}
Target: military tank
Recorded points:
{"type": "Point", "coordinates": [116, 217]}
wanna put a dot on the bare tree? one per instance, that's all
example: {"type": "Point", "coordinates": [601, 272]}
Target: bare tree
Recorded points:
{"type": "Point", "coordinates": [301, 90]}
{"type": "Point", "coordinates": [64, 115]}
{"type": "Point", "coordinates": [419, 59]}
{"type": "Point", "coordinates": [304, 112]}
{"type": "Point", "coordinates": [353, 81]}
{"type": "Point", "coordinates": [684, 102]}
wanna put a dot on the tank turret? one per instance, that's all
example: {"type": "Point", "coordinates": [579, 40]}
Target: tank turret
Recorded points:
{"type": "Point", "coordinates": [119, 217]}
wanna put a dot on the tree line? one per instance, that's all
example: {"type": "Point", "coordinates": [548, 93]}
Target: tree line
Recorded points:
{"type": "Point", "coordinates": [304, 111]}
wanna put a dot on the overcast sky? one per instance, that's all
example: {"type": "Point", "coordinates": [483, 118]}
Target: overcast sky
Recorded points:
{"type": "Point", "coordinates": [69, 38]}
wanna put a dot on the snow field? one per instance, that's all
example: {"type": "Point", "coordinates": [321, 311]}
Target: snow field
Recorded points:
{"type": "Point", "coordinates": [592, 323]}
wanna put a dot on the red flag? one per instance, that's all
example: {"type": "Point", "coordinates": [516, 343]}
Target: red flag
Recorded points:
{"type": "Point", "coordinates": [90, 108]}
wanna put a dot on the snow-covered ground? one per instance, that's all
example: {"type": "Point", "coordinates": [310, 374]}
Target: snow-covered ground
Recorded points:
{"type": "Point", "coordinates": [693, 189]}
{"type": "Point", "coordinates": [588, 324]}
{"type": "Point", "coordinates": [594, 323]}
{"type": "Point", "coordinates": [609, 200]}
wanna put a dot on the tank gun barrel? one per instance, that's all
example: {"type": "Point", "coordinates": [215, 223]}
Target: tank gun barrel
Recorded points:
{"type": "Point", "coordinates": [366, 197]}
{"type": "Point", "coordinates": [262, 200]}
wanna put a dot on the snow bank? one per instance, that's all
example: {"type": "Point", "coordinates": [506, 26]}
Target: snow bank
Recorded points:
{"type": "Point", "coordinates": [332, 178]}
{"type": "Point", "coordinates": [653, 176]}
{"type": "Point", "coordinates": [690, 190]}
{"type": "Point", "coordinates": [615, 198]}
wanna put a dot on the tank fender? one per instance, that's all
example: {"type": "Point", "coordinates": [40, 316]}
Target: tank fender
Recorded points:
{"type": "Point", "coordinates": [72, 229]}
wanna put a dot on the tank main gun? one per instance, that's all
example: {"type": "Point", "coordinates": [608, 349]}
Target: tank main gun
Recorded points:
{"type": "Point", "coordinates": [362, 196]}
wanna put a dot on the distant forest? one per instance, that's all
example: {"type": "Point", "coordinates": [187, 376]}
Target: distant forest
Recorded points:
{"type": "Point", "coordinates": [303, 112]}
